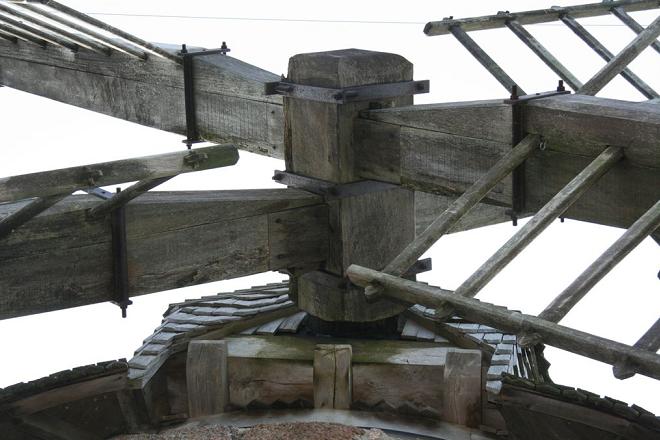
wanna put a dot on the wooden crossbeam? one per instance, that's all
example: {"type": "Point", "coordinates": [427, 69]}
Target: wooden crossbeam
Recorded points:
{"type": "Point", "coordinates": [622, 59]}
{"type": "Point", "coordinates": [622, 15]}
{"type": "Point", "coordinates": [575, 341]}
{"type": "Point", "coordinates": [536, 16]}
{"type": "Point", "coordinates": [68, 180]}
{"type": "Point", "coordinates": [605, 54]}
{"type": "Point", "coordinates": [633, 236]}
{"type": "Point", "coordinates": [61, 259]}
{"type": "Point", "coordinates": [650, 341]}
{"type": "Point", "coordinates": [459, 208]}
{"type": "Point", "coordinates": [484, 59]}
{"type": "Point", "coordinates": [553, 63]}
{"type": "Point", "coordinates": [537, 224]}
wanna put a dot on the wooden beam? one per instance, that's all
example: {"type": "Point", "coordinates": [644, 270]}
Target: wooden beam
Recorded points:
{"type": "Point", "coordinates": [541, 220]}
{"type": "Point", "coordinates": [27, 212]}
{"type": "Point", "coordinates": [25, 36]}
{"type": "Point", "coordinates": [123, 197]}
{"type": "Point", "coordinates": [605, 54]}
{"type": "Point", "coordinates": [553, 63]}
{"type": "Point", "coordinates": [650, 341]}
{"type": "Point", "coordinates": [230, 102]}
{"type": "Point", "coordinates": [61, 259]}
{"type": "Point", "coordinates": [445, 222]}
{"type": "Point", "coordinates": [206, 378]}
{"type": "Point", "coordinates": [536, 16]}
{"type": "Point", "coordinates": [484, 59]}
{"type": "Point", "coordinates": [622, 59]}
{"type": "Point", "coordinates": [566, 300]}
{"type": "Point", "coordinates": [622, 15]}
{"type": "Point", "coordinates": [333, 378]}
{"type": "Point", "coordinates": [565, 338]}
{"type": "Point", "coordinates": [69, 180]}
{"type": "Point", "coordinates": [40, 33]}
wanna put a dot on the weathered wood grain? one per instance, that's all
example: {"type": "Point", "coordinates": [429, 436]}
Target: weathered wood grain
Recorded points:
{"type": "Point", "coordinates": [174, 240]}
{"type": "Point", "coordinates": [229, 94]}
{"type": "Point", "coordinates": [333, 379]}
{"type": "Point", "coordinates": [565, 338]}
{"type": "Point", "coordinates": [535, 16]}
{"type": "Point", "coordinates": [207, 378]}
{"type": "Point", "coordinates": [69, 180]}
{"type": "Point", "coordinates": [622, 15]}
{"type": "Point", "coordinates": [650, 341]}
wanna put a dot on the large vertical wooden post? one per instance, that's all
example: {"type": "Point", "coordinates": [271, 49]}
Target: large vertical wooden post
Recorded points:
{"type": "Point", "coordinates": [319, 144]}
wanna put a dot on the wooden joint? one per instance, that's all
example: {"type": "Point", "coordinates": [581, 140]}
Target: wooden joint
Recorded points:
{"type": "Point", "coordinates": [347, 94]}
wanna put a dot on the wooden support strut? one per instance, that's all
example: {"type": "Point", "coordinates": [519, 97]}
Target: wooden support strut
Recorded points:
{"type": "Point", "coordinates": [622, 59]}
{"type": "Point", "coordinates": [605, 54]}
{"type": "Point", "coordinates": [25, 36]}
{"type": "Point", "coordinates": [622, 15]}
{"type": "Point", "coordinates": [537, 224]}
{"type": "Point", "coordinates": [457, 210]}
{"type": "Point", "coordinates": [484, 59]}
{"type": "Point", "coordinates": [566, 300]}
{"type": "Point", "coordinates": [565, 338]}
{"type": "Point", "coordinates": [48, 36]}
{"type": "Point", "coordinates": [649, 341]}
{"type": "Point", "coordinates": [29, 211]}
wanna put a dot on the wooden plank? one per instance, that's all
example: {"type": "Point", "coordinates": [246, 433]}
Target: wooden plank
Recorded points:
{"type": "Point", "coordinates": [270, 327]}
{"type": "Point", "coordinates": [588, 123]}
{"type": "Point", "coordinates": [565, 338]}
{"type": "Point", "coordinates": [484, 59]}
{"type": "Point", "coordinates": [48, 427]}
{"type": "Point", "coordinates": [229, 94]}
{"type": "Point", "coordinates": [649, 341]}
{"type": "Point", "coordinates": [536, 16]}
{"type": "Point", "coordinates": [462, 391]}
{"type": "Point", "coordinates": [68, 180]}
{"type": "Point", "coordinates": [30, 210]}
{"type": "Point", "coordinates": [333, 380]}
{"type": "Point", "coordinates": [41, 33]}
{"type": "Point", "coordinates": [206, 236]}
{"type": "Point", "coordinates": [291, 324]}
{"type": "Point", "coordinates": [553, 63]}
{"type": "Point", "coordinates": [622, 15]}
{"type": "Point", "coordinates": [622, 59]}
{"type": "Point", "coordinates": [461, 206]}
{"type": "Point", "coordinates": [605, 54]}
{"type": "Point", "coordinates": [207, 378]}
{"type": "Point", "coordinates": [123, 197]}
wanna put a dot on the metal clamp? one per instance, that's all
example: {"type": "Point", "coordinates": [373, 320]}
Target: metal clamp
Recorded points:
{"type": "Point", "coordinates": [192, 134]}
{"type": "Point", "coordinates": [119, 253]}
{"type": "Point", "coordinates": [347, 94]}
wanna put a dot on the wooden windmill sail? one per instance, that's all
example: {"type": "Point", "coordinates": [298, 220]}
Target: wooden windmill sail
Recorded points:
{"type": "Point", "coordinates": [364, 168]}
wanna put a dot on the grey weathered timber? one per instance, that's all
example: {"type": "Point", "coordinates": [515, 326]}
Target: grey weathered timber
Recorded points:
{"type": "Point", "coordinates": [565, 338]}
{"type": "Point", "coordinates": [622, 15]}
{"type": "Point", "coordinates": [541, 220]}
{"type": "Point", "coordinates": [605, 54]}
{"type": "Point", "coordinates": [111, 42]}
{"type": "Point", "coordinates": [74, 38]}
{"type": "Point", "coordinates": [543, 53]}
{"type": "Point", "coordinates": [8, 37]}
{"type": "Point", "coordinates": [536, 16]}
{"type": "Point", "coordinates": [458, 209]}
{"type": "Point", "coordinates": [649, 341]}
{"type": "Point", "coordinates": [622, 59]}
{"type": "Point", "coordinates": [588, 123]}
{"type": "Point", "coordinates": [484, 59]}
{"type": "Point", "coordinates": [207, 378]}
{"type": "Point", "coordinates": [61, 259]}
{"type": "Point", "coordinates": [27, 212]}
{"type": "Point", "coordinates": [126, 195]}
{"type": "Point", "coordinates": [25, 36]}
{"type": "Point", "coordinates": [566, 300]}
{"type": "Point", "coordinates": [68, 180]}
{"type": "Point", "coordinates": [229, 94]}
{"type": "Point", "coordinates": [111, 29]}
{"type": "Point", "coordinates": [45, 426]}
{"type": "Point", "coordinates": [43, 34]}
{"type": "Point", "coordinates": [333, 379]}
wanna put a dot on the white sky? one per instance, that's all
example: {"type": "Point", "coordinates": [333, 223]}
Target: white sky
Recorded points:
{"type": "Point", "coordinates": [39, 134]}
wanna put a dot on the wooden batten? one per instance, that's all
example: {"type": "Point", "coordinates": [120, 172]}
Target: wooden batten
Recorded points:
{"type": "Point", "coordinates": [229, 94]}
{"type": "Point", "coordinates": [333, 378]}
{"type": "Point", "coordinates": [62, 259]}
{"type": "Point", "coordinates": [206, 378]}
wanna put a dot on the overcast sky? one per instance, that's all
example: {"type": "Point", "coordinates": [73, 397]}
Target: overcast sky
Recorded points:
{"type": "Point", "coordinates": [39, 134]}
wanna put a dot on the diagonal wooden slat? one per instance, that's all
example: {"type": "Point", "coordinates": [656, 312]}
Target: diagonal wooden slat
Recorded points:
{"type": "Point", "coordinates": [545, 56]}
{"type": "Point", "coordinates": [43, 34]}
{"type": "Point", "coordinates": [123, 197]}
{"type": "Point", "coordinates": [605, 54]}
{"type": "Point", "coordinates": [25, 36]}
{"type": "Point", "coordinates": [457, 210]}
{"type": "Point", "coordinates": [29, 211]}
{"type": "Point", "coordinates": [622, 15]}
{"type": "Point", "coordinates": [649, 341]}
{"type": "Point", "coordinates": [484, 59]}
{"type": "Point", "coordinates": [565, 338]}
{"type": "Point", "coordinates": [622, 59]}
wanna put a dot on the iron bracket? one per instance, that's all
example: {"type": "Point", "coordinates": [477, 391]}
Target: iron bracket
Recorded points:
{"type": "Point", "coordinates": [192, 134]}
{"type": "Point", "coordinates": [119, 250]}
{"type": "Point", "coordinates": [518, 175]}
{"type": "Point", "coordinates": [346, 95]}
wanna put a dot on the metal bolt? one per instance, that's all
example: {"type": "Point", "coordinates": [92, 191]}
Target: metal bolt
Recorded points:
{"type": "Point", "coordinates": [514, 92]}
{"type": "Point", "coordinates": [560, 86]}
